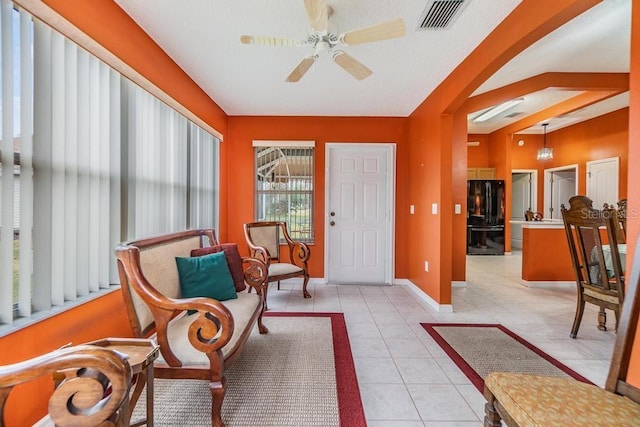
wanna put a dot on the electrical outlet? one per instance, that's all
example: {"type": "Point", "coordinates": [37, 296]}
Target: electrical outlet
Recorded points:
{"type": "Point", "coordinates": [434, 208]}
{"type": "Point", "coordinates": [412, 209]}
{"type": "Point", "coordinates": [426, 266]}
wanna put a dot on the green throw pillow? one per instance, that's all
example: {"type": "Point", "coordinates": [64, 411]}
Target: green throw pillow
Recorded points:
{"type": "Point", "coordinates": [206, 276]}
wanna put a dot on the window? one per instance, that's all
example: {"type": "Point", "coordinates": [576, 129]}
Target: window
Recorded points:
{"type": "Point", "coordinates": [284, 185]}
{"type": "Point", "coordinates": [95, 160]}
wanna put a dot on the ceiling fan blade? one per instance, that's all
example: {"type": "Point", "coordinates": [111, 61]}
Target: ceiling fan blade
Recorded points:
{"type": "Point", "coordinates": [301, 69]}
{"type": "Point", "coordinates": [270, 41]}
{"type": "Point", "coordinates": [351, 65]}
{"type": "Point", "coordinates": [384, 31]}
{"type": "Point", "coordinates": [318, 14]}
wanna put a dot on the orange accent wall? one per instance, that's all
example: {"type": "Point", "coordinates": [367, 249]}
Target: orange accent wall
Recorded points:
{"type": "Point", "coordinates": [243, 130]}
{"type": "Point", "coordinates": [109, 25]}
{"type": "Point", "coordinates": [432, 142]}
{"type": "Point", "coordinates": [545, 255]}
{"type": "Point", "coordinates": [99, 318]}
{"type": "Point", "coordinates": [633, 195]}
{"type": "Point", "coordinates": [478, 157]}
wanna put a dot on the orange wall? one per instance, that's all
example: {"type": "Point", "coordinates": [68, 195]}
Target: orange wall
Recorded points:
{"type": "Point", "coordinates": [243, 130]}
{"type": "Point", "coordinates": [478, 157]}
{"type": "Point", "coordinates": [596, 139]}
{"type": "Point", "coordinates": [102, 317]}
{"type": "Point", "coordinates": [634, 172]}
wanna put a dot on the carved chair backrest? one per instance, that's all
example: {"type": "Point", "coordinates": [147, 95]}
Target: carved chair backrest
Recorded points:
{"type": "Point", "coordinates": [622, 216]}
{"type": "Point", "coordinates": [267, 235]}
{"type": "Point", "coordinates": [587, 230]}
{"type": "Point", "coordinates": [154, 260]}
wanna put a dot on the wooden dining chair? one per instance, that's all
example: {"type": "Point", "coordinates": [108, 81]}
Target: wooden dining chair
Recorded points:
{"type": "Point", "coordinates": [588, 230]}
{"type": "Point", "coordinates": [264, 239]}
{"type": "Point", "coordinates": [531, 400]}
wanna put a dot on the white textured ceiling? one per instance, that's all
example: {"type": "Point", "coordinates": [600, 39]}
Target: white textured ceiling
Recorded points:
{"type": "Point", "coordinates": [203, 37]}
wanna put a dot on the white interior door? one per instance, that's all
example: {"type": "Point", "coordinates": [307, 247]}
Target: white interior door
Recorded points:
{"type": "Point", "coordinates": [602, 181]}
{"type": "Point", "coordinates": [360, 215]}
{"type": "Point", "coordinates": [560, 184]}
{"type": "Point", "coordinates": [521, 200]}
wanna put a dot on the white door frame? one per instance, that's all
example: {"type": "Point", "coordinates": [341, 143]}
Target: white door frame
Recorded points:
{"type": "Point", "coordinates": [595, 162]}
{"type": "Point", "coordinates": [391, 197]}
{"type": "Point", "coordinates": [547, 188]}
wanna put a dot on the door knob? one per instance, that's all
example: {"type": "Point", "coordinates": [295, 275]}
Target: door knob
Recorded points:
{"type": "Point", "coordinates": [332, 223]}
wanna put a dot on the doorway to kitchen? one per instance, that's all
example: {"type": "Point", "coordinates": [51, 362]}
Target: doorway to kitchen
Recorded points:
{"type": "Point", "coordinates": [560, 184]}
{"type": "Point", "coordinates": [524, 196]}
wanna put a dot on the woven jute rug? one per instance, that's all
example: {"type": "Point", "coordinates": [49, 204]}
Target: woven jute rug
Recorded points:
{"type": "Point", "coordinates": [479, 349]}
{"type": "Point", "coordinates": [299, 374]}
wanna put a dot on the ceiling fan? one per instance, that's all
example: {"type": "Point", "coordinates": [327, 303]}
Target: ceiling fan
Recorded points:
{"type": "Point", "coordinates": [321, 39]}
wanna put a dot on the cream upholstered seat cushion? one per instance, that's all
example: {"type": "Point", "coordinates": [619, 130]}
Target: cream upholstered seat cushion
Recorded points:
{"type": "Point", "coordinates": [549, 401]}
{"type": "Point", "coordinates": [280, 268]}
{"type": "Point", "coordinates": [241, 309]}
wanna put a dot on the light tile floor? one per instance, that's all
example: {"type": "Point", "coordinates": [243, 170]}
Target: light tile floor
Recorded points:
{"type": "Point", "coordinates": [406, 379]}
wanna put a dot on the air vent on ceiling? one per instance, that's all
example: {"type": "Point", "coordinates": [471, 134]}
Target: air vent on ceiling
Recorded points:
{"type": "Point", "coordinates": [440, 14]}
{"type": "Point", "coordinates": [515, 113]}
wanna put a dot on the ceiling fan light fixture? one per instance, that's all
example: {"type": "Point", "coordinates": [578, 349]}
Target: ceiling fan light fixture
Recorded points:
{"type": "Point", "coordinates": [492, 112]}
{"type": "Point", "coordinates": [545, 153]}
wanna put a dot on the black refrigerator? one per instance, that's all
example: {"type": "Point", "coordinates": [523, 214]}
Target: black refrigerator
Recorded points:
{"type": "Point", "coordinates": [485, 217]}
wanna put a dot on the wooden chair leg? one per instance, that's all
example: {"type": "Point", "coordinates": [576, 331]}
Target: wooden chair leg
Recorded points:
{"type": "Point", "coordinates": [602, 319]}
{"type": "Point", "coordinates": [304, 287]}
{"type": "Point", "coordinates": [578, 318]}
{"type": "Point", "coordinates": [491, 416]}
{"type": "Point", "coordinates": [218, 390]}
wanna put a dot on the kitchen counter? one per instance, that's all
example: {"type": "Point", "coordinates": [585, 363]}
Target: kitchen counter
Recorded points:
{"type": "Point", "coordinates": [545, 223]}
{"type": "Point", "coordinates": [545, 253]}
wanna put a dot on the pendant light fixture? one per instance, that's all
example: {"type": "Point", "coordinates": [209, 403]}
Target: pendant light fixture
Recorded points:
{"type": "Point", "coordinates": [545, 153]}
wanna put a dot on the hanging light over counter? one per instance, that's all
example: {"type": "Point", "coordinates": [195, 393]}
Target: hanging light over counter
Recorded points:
{"type": "Point", "coordinates": [545, 153]}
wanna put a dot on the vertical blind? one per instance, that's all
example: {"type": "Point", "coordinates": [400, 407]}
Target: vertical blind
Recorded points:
{"type": "Point", "coordinates": [76, 140]}
{"type": "Point", "coordinates": [87, 159]}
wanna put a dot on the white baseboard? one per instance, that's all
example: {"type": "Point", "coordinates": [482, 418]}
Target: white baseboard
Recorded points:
{"type": "Point", "coordinates": [459, 284]}
{"type": "Point", "coordinates": [547, 284]}
{"type": "Point", "coordinates": [440, 308]}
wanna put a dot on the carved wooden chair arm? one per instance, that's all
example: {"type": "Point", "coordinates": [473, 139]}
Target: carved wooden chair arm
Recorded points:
{"type": "Point", "coordinates": [94, 385]}
{"type": "Point", "coordinates": [299, 253]}
{"type": "Point", "coordinates": [256, 273]}
{"type": "Point", "coordinates": [260, 252]}
{"type": "Point", "coordinates": [211, 331]}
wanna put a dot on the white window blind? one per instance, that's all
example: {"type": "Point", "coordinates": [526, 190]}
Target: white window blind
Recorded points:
{"type": "Point", "coordinates": [92, 160]}
{"type": "Point", "coordinates": [77, 135]}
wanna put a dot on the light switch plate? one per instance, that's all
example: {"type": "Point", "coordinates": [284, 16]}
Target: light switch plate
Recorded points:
{"type": "Point", "coordinates": [457, 208]}
{"type": "Point", "coordinates": [434, 208]}
{"type": "Point", "coordinates": [412, 209]}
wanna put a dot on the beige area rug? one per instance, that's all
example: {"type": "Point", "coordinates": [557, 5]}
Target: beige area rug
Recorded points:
{"type": "Point", "coordinates": [479, 349]}
{"type": "Point", "coordinates": [299, 374]}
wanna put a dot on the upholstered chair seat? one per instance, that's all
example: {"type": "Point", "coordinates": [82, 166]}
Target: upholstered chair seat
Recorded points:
{"type": "Point", "coordinates": [550, 401]}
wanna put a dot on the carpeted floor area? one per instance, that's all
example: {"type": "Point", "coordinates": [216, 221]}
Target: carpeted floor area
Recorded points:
{"type": "Point", "coordinates": [299, 374]}
{"type": "Point", "coordinates": [479, 349]}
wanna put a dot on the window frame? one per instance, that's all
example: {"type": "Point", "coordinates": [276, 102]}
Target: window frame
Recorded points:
{"type": "Point", "coordinates": [304, 235]}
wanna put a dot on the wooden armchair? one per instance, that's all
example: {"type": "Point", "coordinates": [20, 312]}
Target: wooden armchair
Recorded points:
{"type": "Point", "coordinates": [263, 239]}
{"type": "Point", "coordinates": [596, 283]}
{"type": "Point", "coordinates": [530, 400]}
{"type": "Point", "coordinates": [92, 385]}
